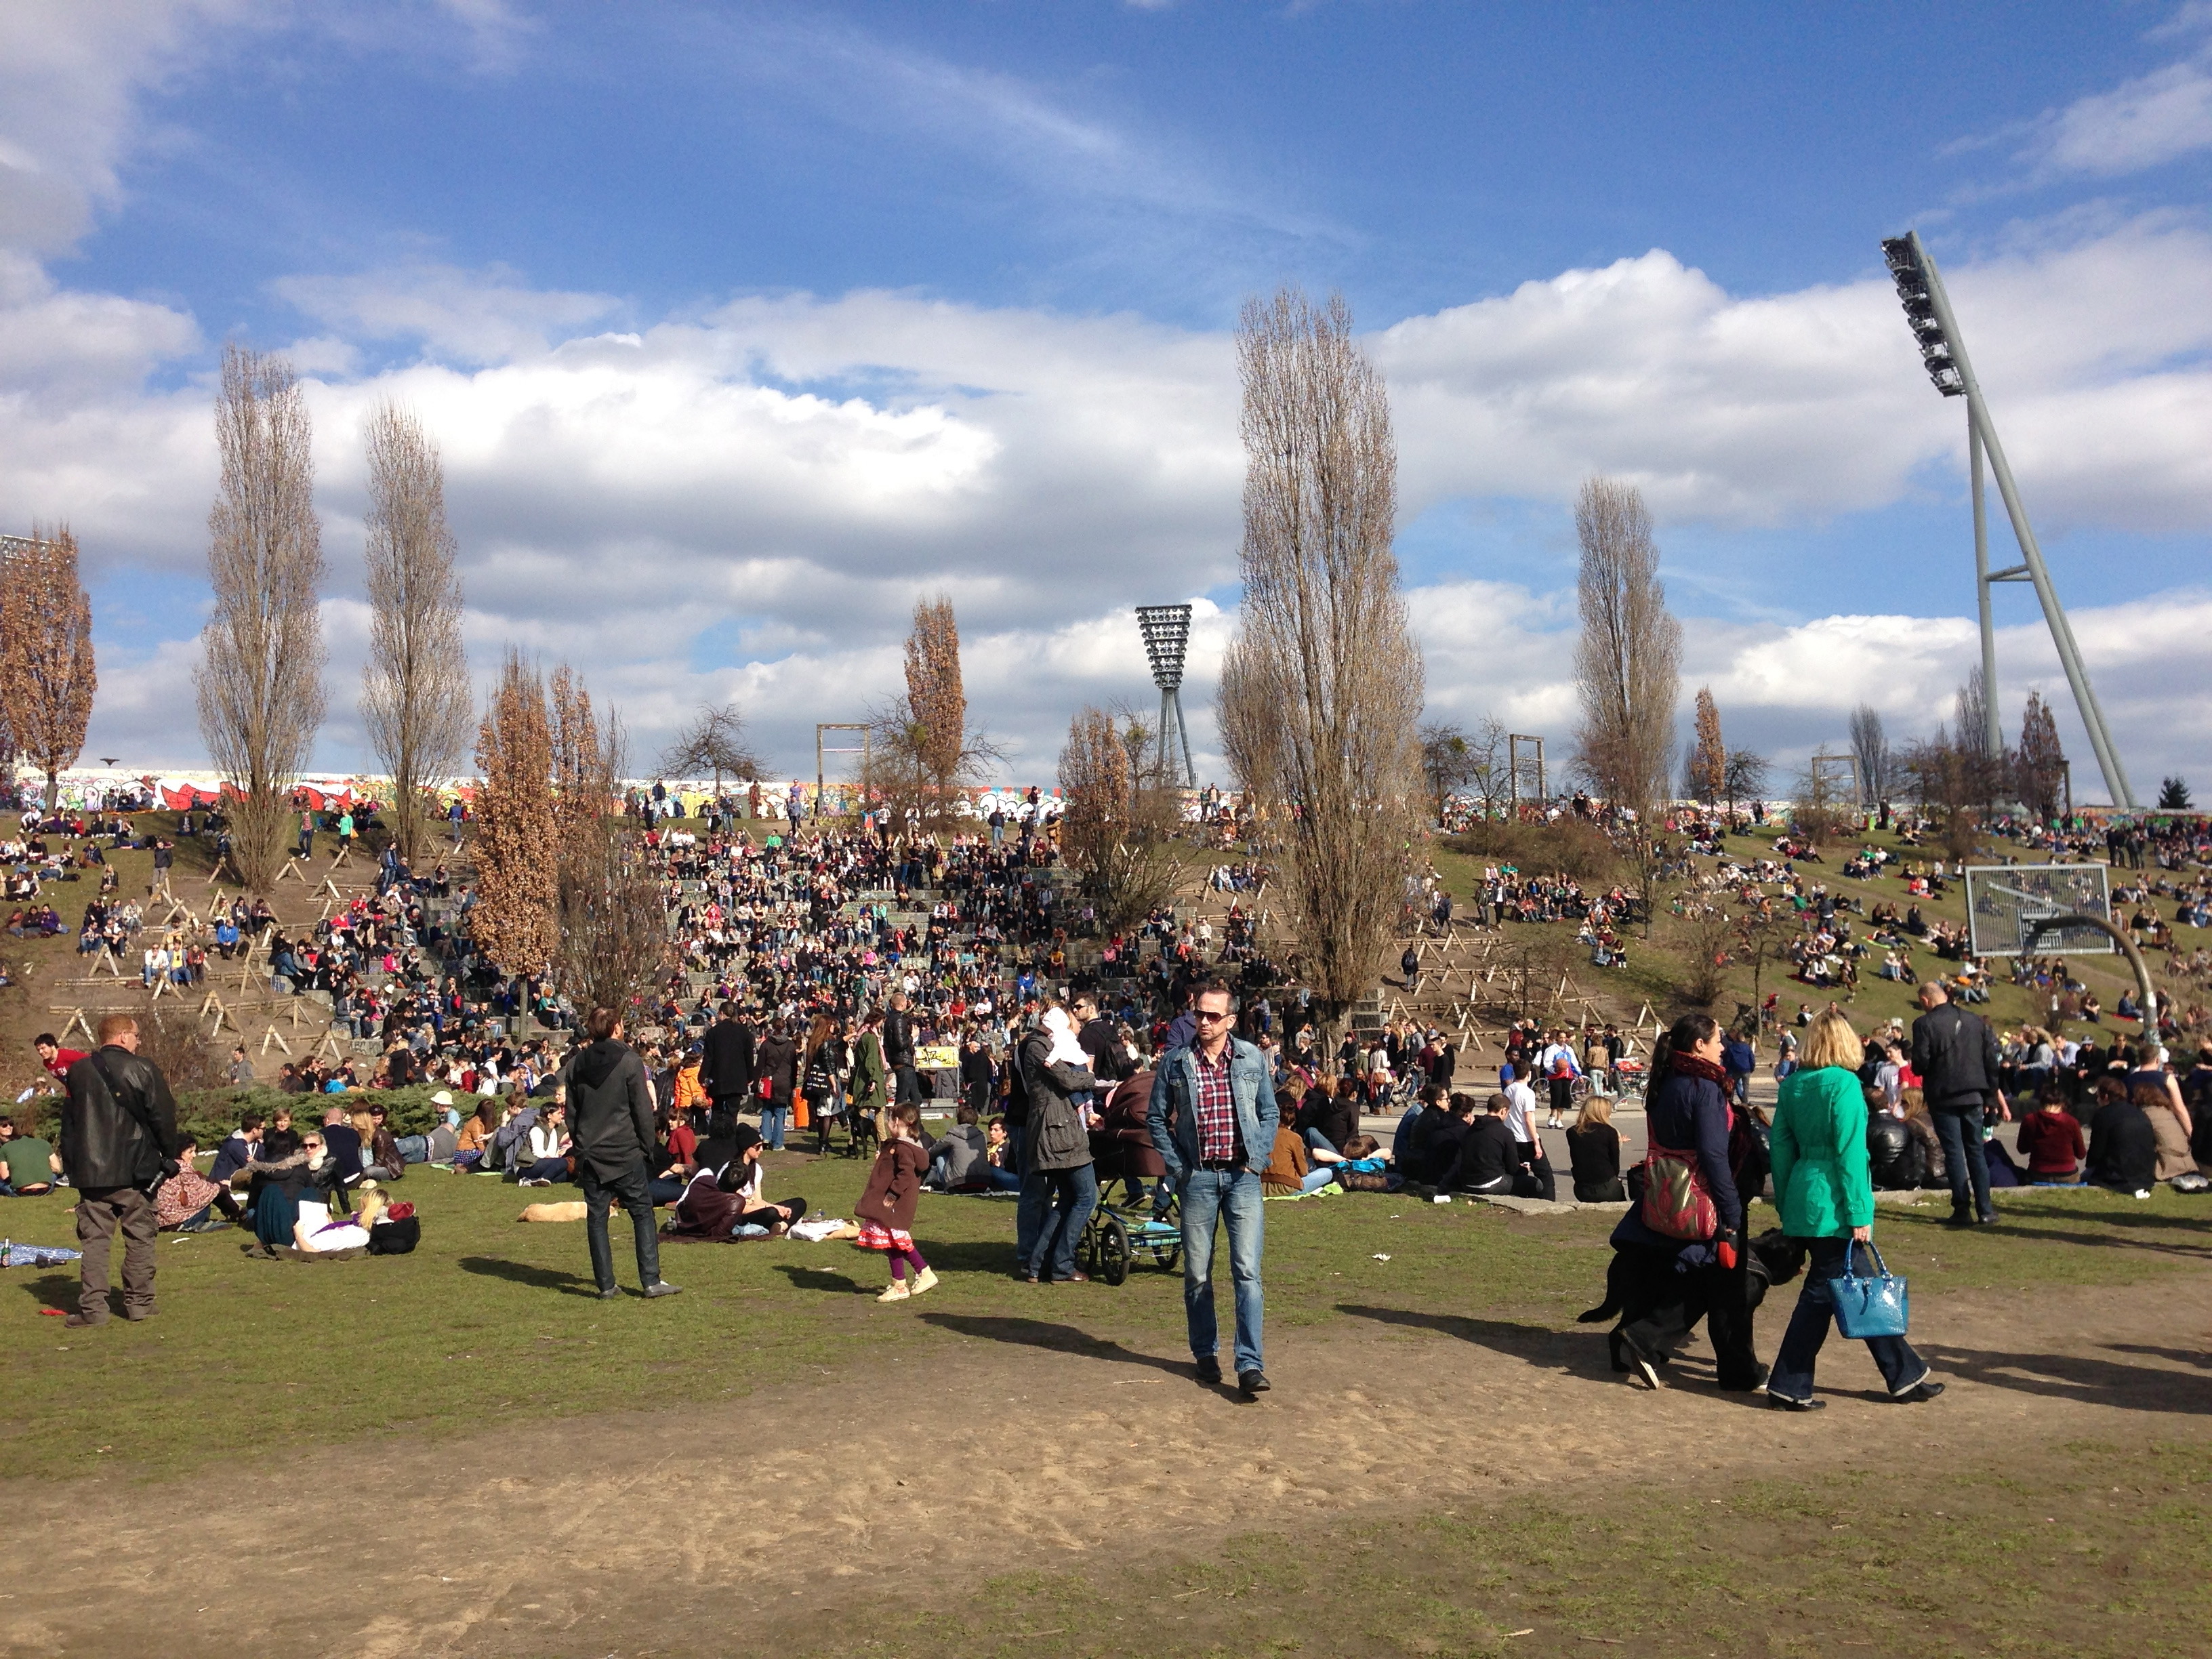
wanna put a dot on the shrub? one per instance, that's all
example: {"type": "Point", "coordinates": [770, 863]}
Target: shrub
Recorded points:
{"type": "Point", "coordinates": [1569, 846]}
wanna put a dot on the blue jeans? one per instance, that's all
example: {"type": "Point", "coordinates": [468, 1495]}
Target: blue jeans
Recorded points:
{"type": "Point", "coordinates": [772, 1121]}
{"type": "Point", "coordinates": [1963, 1162]}
{"type": "Point", "coordinates": [1792, 1376]}
{"type": "Point", "coordinates": [1317, 1178]}
{"type": "Point", "coordinates": [1052, 1248]}
{"type": "Point", "coordinates": [1209, 1196]}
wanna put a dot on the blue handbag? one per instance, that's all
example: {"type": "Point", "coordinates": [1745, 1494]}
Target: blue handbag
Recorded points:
{"type": "Point", "coordinates": [1869, 1304]}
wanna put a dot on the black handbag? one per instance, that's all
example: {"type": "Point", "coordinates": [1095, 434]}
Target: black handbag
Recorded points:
{"type": "Point", "coordinates": [395, 1237]}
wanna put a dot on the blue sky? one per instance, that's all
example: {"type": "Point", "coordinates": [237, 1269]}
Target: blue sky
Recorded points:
{"type": "Point", "coordinates": [869, 299]}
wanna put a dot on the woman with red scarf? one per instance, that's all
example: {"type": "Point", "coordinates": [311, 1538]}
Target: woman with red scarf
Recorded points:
{"type": "Point", "coordinates": [1687, 1111]}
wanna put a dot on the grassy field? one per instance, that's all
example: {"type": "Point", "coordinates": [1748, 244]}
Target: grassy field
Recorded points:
{"type": "Point", "coordinates": [489, 1321]}
{"type": "Point", "coordinates": [1654, 973]}
{"type": "Point", "coordinates": [2092, 1550]}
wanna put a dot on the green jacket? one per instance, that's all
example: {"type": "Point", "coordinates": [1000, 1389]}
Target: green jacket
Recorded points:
{"type": "Point", "coordinates": [868, 1091]}
{"type": "Point", "coordinates": [1823, 1184]}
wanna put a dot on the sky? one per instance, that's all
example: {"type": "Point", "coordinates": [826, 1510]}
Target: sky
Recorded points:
{"type": "Point", "coordinates": [741, 328]}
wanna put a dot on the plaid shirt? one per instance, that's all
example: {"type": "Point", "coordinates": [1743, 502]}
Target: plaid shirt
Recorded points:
{"type": "Point", "coordinates": [1216, 1109]}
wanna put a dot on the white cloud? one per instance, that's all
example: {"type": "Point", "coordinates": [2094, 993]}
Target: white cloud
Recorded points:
{"type": "Point", "coordinates": [70, 71]}
{"type": "Point", "coordinates": [746, 501]}
{"type": "Point", "coordinates": [2144, 123]}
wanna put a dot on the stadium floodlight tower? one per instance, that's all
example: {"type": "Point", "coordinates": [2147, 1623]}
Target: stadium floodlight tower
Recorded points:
{"type": "Point", "coordinates": [1166, 628]}
{"type": "Point", "coordinates": [1943, 349]}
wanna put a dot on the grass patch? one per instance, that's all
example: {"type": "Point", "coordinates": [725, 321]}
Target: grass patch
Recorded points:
{"type": "Point", "coordinates": [488, 1320]}
{"type": "Point", "coordinates": [2100, 1558]}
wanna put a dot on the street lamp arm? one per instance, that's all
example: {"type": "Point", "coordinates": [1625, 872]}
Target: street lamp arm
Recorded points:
{"type": "Point", "coordinates": [2043, 925]}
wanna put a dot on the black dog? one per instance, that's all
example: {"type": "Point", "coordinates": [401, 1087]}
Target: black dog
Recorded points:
{"type": "Point", "coordinates": [1637, 1282]}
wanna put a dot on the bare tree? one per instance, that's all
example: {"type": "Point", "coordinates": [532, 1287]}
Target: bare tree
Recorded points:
{"type": "Point", "coordinates": [1628, 659]}
{"type": "Point", "coordinates": [2039, 764]}
{"type": "Point", "coordinates": [260, 677]}
{"type": "Point", "coordinates": [1324, 622]}
{"type": "Point", "coordinates": [514, 919]}
{"type": "Point", "coordinates": [1707, 777]}
{"type": "Point", "coordinates": [47, 675]}
{"type": "Point", "coordinates": [415, 698]}
{"type": "Point", "coordinates": [1948, 781]}
{"type": "Point", "coordinates": [1248, 711]}
{"type": "Point", "coordinates": [1870, 744]}
{"type": "Point", "coordinates": [1449, 761]}
{"type": "Point", "coordinates": [1745, 777]}
{"type": "Point", "coordinates": [713, 742]}
{"type": "Point", "coordinates": [1488, 768]}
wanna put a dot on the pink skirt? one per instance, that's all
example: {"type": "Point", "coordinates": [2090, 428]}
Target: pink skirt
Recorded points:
{"type": "Point", "coordinates": [874, 1236]}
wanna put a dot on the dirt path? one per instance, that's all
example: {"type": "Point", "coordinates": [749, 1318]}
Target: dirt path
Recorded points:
{"type": "Point", "coordinates": [650, 1533]}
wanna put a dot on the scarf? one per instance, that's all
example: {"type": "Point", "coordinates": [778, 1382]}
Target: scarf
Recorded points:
{"type": "Point", "coordinates": [1690, 1065]}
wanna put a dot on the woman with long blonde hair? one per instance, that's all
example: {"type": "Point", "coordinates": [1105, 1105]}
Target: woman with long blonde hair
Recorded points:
{"type": "Point", "coordinates": [1824, 1187]}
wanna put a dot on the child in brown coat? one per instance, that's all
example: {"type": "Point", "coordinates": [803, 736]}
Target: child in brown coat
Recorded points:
{"type": "Point", "coordinates": [887, 1208]}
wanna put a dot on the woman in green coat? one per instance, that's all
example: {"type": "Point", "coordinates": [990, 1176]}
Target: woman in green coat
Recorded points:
{"type": "Point", "coordinates": [1824, 1187]}
{"type": "Point", "coordinates": [869, 1075]}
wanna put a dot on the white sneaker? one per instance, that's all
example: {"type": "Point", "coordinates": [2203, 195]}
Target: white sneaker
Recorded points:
{"type": "Point", "coordinates": [924, 1280]}
{"type": "Point", "coordinates": [895, 1291]}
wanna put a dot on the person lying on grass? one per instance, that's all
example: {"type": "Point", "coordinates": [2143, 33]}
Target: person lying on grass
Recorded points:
{"type": "Point", "coordinates": [317, 1234]}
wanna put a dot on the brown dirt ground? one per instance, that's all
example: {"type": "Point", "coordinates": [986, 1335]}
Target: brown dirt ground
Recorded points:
{"type": "Point", "coordinates": [660, 1532]}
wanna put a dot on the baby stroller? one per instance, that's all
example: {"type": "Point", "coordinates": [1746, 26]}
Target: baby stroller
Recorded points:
{"type": "Point", "coordinates": [1121, 1151]}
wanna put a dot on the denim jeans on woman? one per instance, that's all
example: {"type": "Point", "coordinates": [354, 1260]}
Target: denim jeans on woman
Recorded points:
{"type": "Point", "coordinates": [1073, 1193]}
{"type": "Point", "coordinates": [1792, 1377]}
{"type": "Point", "coordinates": [1210, 1196]}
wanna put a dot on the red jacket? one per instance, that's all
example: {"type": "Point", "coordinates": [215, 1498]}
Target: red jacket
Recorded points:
{"type": "Point", "coordinates": [2052, 1142]}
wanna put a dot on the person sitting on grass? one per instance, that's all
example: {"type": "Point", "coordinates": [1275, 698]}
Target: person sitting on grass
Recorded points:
{"type": "Point", "coordinates": [184, 1200]}
{"type": "Point", "coordinates": [2051, 1139]}
{"type": "Point", "coordinates": [2123, 1145]}
{"type": "Point", "coordinates": [957, 1160]}
{"type": "Point", "coordinates": [292, 1169]}
{"type": "Point", "coordinates": [546, 1158]}
{"type": "Point", "coordinates": [237, 1149]}
{"type": "Point", "coordinates": [718, 1200]}
{"type": "Point", "coordinates": [472, 1144]}
{"type": "Point", "coordinates": [999, 1149]}
{"type": "Point", "coordinates": [27, 1164]}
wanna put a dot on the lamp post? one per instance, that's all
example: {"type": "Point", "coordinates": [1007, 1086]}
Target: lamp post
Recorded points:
{"type": "Point", "coordinates": [1943, 350]}
{"type": "Point", "coordinates": [1166, 628]}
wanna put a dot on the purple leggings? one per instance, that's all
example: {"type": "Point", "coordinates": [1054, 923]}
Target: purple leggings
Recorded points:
{"type": "Point", "coordinates": [900, 1258]}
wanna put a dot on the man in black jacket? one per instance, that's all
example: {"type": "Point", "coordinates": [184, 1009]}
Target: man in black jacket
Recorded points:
{"type": "Point", "coordinates": [119, 1141]}
{"type": "Point", "coordinates": [898, 1051]}
{"type": "Point", "coordinates": [726, 1070]}
{"type": "Point", "coordinates": [610, 1133]}
{"type": "Point", "coordinates": [1956, 1055]}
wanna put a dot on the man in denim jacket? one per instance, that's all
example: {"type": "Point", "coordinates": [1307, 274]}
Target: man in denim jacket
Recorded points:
{"type": "Point", "coordinates": [1212, 1119]}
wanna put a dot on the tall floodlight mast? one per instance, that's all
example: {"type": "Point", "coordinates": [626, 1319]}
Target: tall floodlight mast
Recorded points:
{"type": "Point", "coordinates": [1166, 628]}
{"type": "Point", "coordinates": [1943, 349]}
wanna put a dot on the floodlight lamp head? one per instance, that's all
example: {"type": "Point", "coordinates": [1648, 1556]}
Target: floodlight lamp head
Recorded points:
{"type": "Point", "coordinates": [1166, 628]}
{"type": "Point", "coordinates": [1909, 271]}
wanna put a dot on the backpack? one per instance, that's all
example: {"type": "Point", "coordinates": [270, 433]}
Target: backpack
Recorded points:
{"type": "Point", "coordinates": [395, 1237]}
{"type": "Point", "coordinates": [1675, 1203]}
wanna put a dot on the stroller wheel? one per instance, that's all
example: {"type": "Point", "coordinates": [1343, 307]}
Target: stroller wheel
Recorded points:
{"type": "Point", "coordinates": [1110, 1253]}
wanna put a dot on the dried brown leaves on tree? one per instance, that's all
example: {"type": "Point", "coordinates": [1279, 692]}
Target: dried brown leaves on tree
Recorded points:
{"type": "Point", "coordinates": [260, 677]}
{"type": "Point", "coordinates": [515, 842]}
{"type": "Point", "coordinates": [1708, 772]}
{"type": "Point", "coordinates": [47, 677]}
{"type": "Point", "coordinates": [936, 697]}
{"type": "Point", "coordinates": [1324, 623]}
{"type": "Point", "coordinates": [415, 698]}
{"type": "Point", "coordinates": [922, 753]}
{"type": "Point", "coordinates": [1117, 824]}
{"type": "Point", "coordinates": [1628, 657]}
{"type": "Point", "coordinates": [612, 914]}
